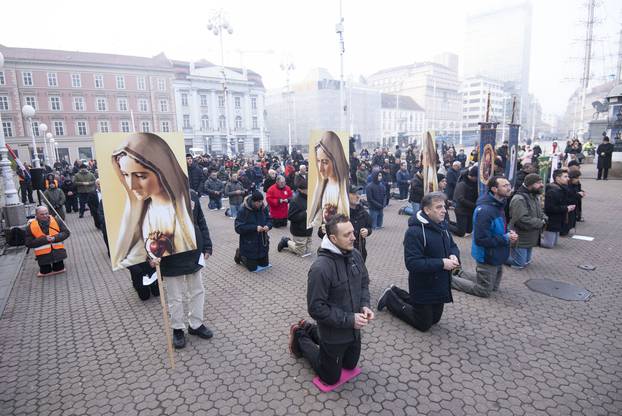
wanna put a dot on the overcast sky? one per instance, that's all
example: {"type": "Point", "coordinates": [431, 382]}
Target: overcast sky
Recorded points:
{"type": "Point", "coordinates": [378, 34]}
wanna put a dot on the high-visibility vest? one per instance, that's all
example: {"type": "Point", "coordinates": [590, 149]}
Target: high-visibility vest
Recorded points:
{"type": "Point", "coordinates": [47, 184]}
{"type": "Point", "coordinates": [36, 231]}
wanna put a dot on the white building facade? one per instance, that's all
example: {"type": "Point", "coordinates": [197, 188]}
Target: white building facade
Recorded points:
{"type": "Point", "coordinates": [214, 121]}
{"type": "Point", "coordinates": [474, 105]}
{"type": "Point", "coordinates": [402, 120]}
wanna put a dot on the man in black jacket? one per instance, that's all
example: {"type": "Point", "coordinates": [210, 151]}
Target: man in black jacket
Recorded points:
{"type": "Point", "coordinates": [300, 243]}
{"type": "Point", "coordinates": [183, 276]}
{"type": "Point", "coordinates": [556, 207]}
{"type": "Point", "coordinates": [338, 300]}
{"type": "Point", "coordinates": [195, 174]}
{"type": "Point", "coordinates": [430, 255]}
{"type": "Point", "coordinates": [465, 197]}
{"type": "Point", "coordinates": [376, 194]}
{"type": "Point", "coordinates": [604, 152]}
{"type": "Point", "coordinates": [253, 224]}
{"type": "Point", "coordinates": [360, 219]}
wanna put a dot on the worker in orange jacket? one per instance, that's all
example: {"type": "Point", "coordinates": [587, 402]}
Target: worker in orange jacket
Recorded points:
{"type": "Point", "coordinates": [46, 235]}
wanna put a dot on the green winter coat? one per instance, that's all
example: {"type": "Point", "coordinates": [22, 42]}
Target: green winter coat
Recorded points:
{"type": "Point", "coordinates": [527, 217]}
{"type": "Point", "coordinates": [84, 176]}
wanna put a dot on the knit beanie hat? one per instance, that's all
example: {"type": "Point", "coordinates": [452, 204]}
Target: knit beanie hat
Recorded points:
{"type": "Point", "coordinates": [531, 179]}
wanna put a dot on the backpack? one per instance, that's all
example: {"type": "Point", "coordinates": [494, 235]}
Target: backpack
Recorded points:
{"type": "Point", "coordinates": [16, 236]}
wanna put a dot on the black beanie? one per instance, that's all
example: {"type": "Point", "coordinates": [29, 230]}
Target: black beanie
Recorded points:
{"type": "Point", "coordinates": [256, 196]}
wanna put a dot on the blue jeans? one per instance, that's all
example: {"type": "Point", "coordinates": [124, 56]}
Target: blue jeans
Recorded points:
{"type": "Point", "coordinates": [519, 257]}
{"type": "Point", "coordinates": [214, 203]}
{"type": "Point", "coordinates": [376, 218]}
{"type": "Point", "coordinates": [233, 210]}
{"type": "Point", "coordinates": [416, 206]}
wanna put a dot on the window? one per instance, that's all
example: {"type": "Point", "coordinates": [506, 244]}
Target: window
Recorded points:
{"type": "Point", "coordinates": [221, 101]}
{"type": "Point", "coordinates": [7, 127]}
{"type": "Point", "coordinates": [164, 106]}
{"type": "Point", "coordinates": [76, 81]}
{"type": "Point", "coordinates": [187, 121]}
{"type": "Point", "coordinates": [143, 106]}
{"type": "Point", "coordinates": [161, 84]}
{"type": "Point", "coordinates": [238, 123]}
{"type": "Point", "coordinates": [145, 127]}
{"type": "Point", "coordinates": [204, 123]}
{"type": "Point", "coordinates": [254, 103]}
{"type": "Point", "coordinates": [125, 126]}
{"type": "Point", "coordinates": [237, 102]}
{"type": "Point", "coordinates": [165, 127]}
{"type": "Point", "coordinates": [27, 78]}
{"type": "Point", "coordinates": [99, 81]}
{"type": "Point", "coordinates": [31, 101]}
{"type": "Point", "coordinates": [4, 102]}
{"type": "Point", "coordinates": [2, 81]}
{"type": "Point", "coordinates": [78, 103]}
{"type": "Point", "coordinates": [102, 104]}
{"type": "Point", "coordinates": [222, 121]}
{"type": "Point", "coordinates": [184, 99]}
{"type": "Point", "coordinates": [81, 128]}
{"type": "Point", "coordinates": [140, 83]}
{"type": "Point", "coordinates": [255, 124]}
{"type": "Point", "coordinates": [120, 82]}
{"type": "Point", "coordinates": [122, 104]}
{"type": "Point", "coordinates": [59, 128]}
{"type": "Point", "coordinates": [55, 103]}
{"type": "Point", "coordinates": [104, 126]}
{"type": "Point", "coordinates": [35, 128]}
{"type": "Point", "coordinates": [203, 100]}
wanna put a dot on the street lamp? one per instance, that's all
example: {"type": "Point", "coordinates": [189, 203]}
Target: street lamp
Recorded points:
{"type": "Point", "coordinates": [43, 128]}
{"type": "Point", "coordinates": [218, 24]}
{"type": "Point", "coordinates": [287, 67]}
{"type": "Point", "coordinates": [50, 137]}
{"type": "Point", "coordinates": [29, 113]}
{"type": "Point", "coordinates": [10, 192]}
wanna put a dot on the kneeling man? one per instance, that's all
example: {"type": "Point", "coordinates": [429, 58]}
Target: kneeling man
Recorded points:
{"type": "Point", "coordinates": [338, 300]}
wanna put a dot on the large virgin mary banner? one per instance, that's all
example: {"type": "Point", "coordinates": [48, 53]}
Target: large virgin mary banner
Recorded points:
{"type": "Point", "coordinates": [329, 172]}
{"type": "Point", "coordinates": [512, 160]}
{"type": "Point", "coordinates": [487, 154]}
{"type": "Point", "coordinates": [144, 184]}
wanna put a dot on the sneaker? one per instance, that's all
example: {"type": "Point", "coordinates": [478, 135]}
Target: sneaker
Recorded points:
{"type": "Point", "coordinates": [179, 339]}
{"type": "Point", "coordinates": [307, 254]}
{"type": "Point", "coordinates": [282, 244]}
{"type": "Point", "coordinates": [382, 302]}
{"type": "Point", "coordinates": [294, 348]}
{"type": "Point", "coordinates": [202, 332]}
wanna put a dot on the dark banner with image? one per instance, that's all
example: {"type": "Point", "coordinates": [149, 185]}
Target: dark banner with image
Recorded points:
{"type": "Point", "coordinates": [512, 159]}
{"type": "Point", "coordinates": [487, 155]}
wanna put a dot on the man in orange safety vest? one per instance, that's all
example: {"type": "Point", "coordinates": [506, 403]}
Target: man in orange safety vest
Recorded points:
{"type": "Point", "coordinates": [46, 235]}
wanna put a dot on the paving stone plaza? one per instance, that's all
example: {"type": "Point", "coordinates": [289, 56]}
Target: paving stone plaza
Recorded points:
{"type": "Point", "coordinates": [82, 343]}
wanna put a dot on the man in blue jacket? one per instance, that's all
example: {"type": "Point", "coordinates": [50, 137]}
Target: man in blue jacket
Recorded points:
{"type": "Point", "coordinates": [491, 240]}
{"type": "Point", "coordinates": [430, 254]}
{"type": "Point", "coordinates": [376, 194]}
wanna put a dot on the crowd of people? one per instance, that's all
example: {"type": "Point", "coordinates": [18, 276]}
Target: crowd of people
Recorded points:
{"type": "Point", "coordinates": [505, 223]}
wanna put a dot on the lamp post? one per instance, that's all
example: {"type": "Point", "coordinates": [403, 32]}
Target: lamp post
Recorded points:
{"type": "Point", "coordinates": [218, 24]}
{"type": "Point", "coordinates": [287, 67]}
{"type": "Point", "coordinates": [43, 128]}
{"type": "Point", "coordinates": [10, 192]}
{"type": "Point", "coordinates": [29, 113]}
{"type": "Point", "coordinates": [53, 144]}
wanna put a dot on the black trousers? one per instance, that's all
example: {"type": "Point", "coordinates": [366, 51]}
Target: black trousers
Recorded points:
{"type": "Point", "coordinates": [90, 199]}
{"type": "Point", "coordinates": [602, 173]}
{"type": "Point", "coordinates": [251, 264]}
{"type": "Point", "coordinates": [26, 191]}
{"type": "Point", "coordinates": [327, 360]}
{"type": "Point", "coordinates": [71, 203]}
{"type": "Point", "coordinates": [419, 316]}
{"type": "Point", "coordinates": [278, 223]}
{"type": "Point", "coordinates": [54, 267]}
{"type": "Point", "coordinates": [464, 224]}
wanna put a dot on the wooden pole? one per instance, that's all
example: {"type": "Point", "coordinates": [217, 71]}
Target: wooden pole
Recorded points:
{"type": "Point", "coordinates": [167, 324]}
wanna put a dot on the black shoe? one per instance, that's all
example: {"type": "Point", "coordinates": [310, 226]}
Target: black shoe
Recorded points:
{"type": "Point", "coordinates": [179, 340]}
{"type": "Point", "coordinates": [382, 302]}
{"type": "Point", "coordinates": [143, 293]}
{"type": "Point", "coordinates": [282, 244]}
{"type": "Point", "coordinates": [202, 332]}
{"type": "Point", "coordinates": [236, 257]}
{"type": "Point", "coordinates": [81, 216]}
{"type": "Point", "coordinates": [294, 347]}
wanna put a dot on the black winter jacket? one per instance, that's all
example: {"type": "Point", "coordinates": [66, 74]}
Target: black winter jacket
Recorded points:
{"type": "Point", "coordinates": [556, 207]}
{"type": "Point", "coordinates": [337, 288]}
{"type": "Point", "coordinates": [253, 245]}
{"type": "Point", "coordinates": [416, 189]}
{"type": "Point", "coordinates": [426, 244]}
{"type": "Point", "coordinates": [376, 194]}
{"type": "Point", "coordinates": [297, 216]}
{"type": "Point", "coordinates": [195, 177]}
{"type": "Point", "coordinates": [465, 196]}
{"type": "Point", "coordinates": [359, 217]}
{"type": "Point", "coordinates": [188, 261]}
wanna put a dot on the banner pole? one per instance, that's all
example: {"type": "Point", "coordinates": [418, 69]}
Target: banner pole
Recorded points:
{"type": "Point", "coordinates": [167, 325]}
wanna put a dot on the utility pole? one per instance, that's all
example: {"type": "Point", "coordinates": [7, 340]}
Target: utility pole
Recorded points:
{"type": "Point", "coordinates": [587, 58]}
{"type": "Point", "coordinates": [339, 30]}
{"type": "Point", "coordinates": [619, 66]}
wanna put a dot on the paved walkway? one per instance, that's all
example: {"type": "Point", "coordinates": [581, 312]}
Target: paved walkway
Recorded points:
{"type": "Point", "coordinates": [84, 344]}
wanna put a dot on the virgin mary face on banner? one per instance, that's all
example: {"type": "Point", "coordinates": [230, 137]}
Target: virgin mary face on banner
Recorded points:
{"type": "Point", "coordinates": [330, 196]}
{"type": "Point", "coordinates": [487, 162]}
{"type": "Point", "coordinates": [157, 219]}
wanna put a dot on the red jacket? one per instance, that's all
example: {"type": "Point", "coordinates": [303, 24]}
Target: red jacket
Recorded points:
{"type": "Point", "coordinates": [278, 210]}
